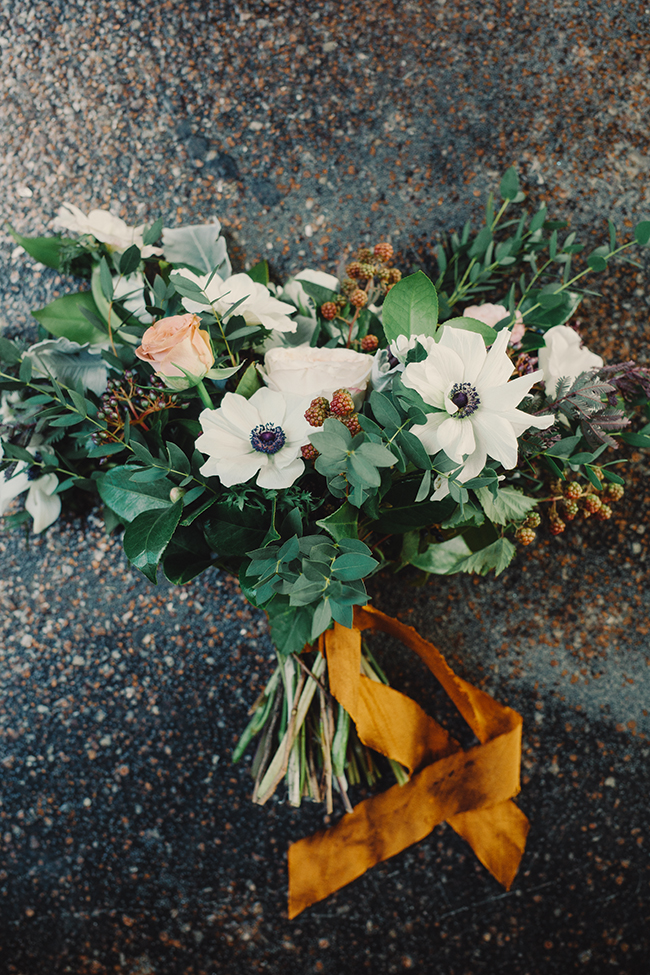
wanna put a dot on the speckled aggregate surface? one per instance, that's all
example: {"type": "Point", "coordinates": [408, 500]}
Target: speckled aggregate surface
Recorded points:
{"type": "Point", "coordinates": [129, 842]}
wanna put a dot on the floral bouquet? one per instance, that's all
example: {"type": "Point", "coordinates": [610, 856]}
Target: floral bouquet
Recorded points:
{"type": "Point", "coordinates": [307, 436]}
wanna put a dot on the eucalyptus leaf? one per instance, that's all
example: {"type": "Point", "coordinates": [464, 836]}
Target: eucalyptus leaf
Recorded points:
{"type": "Point", "coordinates": [70, 363]}
{"type": "Point", "coordinates": [198, 246]}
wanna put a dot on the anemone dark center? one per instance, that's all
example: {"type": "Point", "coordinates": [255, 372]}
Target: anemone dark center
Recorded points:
{"type": "Point", "coordinates": [268, 439]}
{"type": "Point", "coordinates": [466, 398]}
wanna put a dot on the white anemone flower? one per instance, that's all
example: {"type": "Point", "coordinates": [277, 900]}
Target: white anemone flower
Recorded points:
{"type": "Point", "coordinates": [259, 307]}
{"type": "Point", "coordinates": [477, 415]}
{"type": "Point", "coordinates": [105, 227]}
{"type": "Point", "coordinates": [261, 435]}
{"type": "Point", "coordinates": [41, 502]}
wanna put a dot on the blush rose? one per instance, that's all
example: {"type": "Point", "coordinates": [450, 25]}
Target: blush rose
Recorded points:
{"type": "Point", "coordinates": [174, 346]}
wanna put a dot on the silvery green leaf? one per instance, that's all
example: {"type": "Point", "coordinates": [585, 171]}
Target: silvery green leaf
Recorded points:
{"type": "Point", "coordinates": [199, 246]}
{"type": "Point", "coordinates": [69, 363]}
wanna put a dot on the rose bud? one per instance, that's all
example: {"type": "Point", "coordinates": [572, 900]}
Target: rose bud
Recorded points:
{"type": "Point", "coordinates": [175, 346]}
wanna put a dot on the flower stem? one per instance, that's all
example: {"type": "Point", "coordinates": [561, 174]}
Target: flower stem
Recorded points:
{"type": "Point", "coordinates": [204, 395]}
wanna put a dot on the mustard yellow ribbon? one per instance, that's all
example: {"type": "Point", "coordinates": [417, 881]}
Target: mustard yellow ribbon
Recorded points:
{"type": "Point", "coordinates": [471, 790]}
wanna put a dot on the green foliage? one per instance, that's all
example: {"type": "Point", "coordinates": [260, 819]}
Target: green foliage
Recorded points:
{"type": "Point", "coordinates": [317, 577]}
{"type": "Point", "coordinates": [45, 250]}
{"type": "Point", "coordinates": [250, 382]}
{"type": "Point", "coordinates": [199, 247]}
{"type": "Point", "coordinates": [146, 537]}
{"type": "Point", "coordinates": [351, 464]}
{"type": "Point", "coordinates": [65, 317]}
{"type": "Point", "coordinates": [508, 505]}
{"type": "Point", "coordinates": [260, 273]}
{"type": "Point", "coordinates": [454, 555]}
{"type": "Point", "coordinates": [411, 307]}
{"type": "Point", "coordinates": [128, 498]}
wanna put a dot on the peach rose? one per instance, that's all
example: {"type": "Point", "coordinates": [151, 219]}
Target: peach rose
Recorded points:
{"type": "Point", "coordinates": [175, 344]}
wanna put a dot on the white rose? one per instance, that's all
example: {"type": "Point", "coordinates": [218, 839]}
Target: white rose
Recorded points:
{"type": "Point", "coordinates": [564, 357]}
{"type": "Point", "coordinates": [308, 372]}
{"type": "Point", "coordinates": [259, 307]}
{"type": "Point", "coordinates": [103, 226]}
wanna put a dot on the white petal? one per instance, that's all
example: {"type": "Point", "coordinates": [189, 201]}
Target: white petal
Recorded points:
{"type": "Point", "coordinates": [470, 348]}
{"type": "Point", "coordinates": [270, 405]}
{"type": "Point", "coordinates": [42, 504]}
{"type": "Point", "coordinates": [497, 436]}
{"type": "Point", "coordinates": [274, 477]}
{"type": "Point", "coordinates": [11, 488]}
{"type": "Point", "coordinates": [235, 470]}
{"type": "Point", "coordinates": [520, 421]}
{"type": "Point", "coordinates": [508, 395]}
{"type": "Point", "coordinates": [427, 433]}
{"type": "Point", "coordinates": [456, 437]}
{"type": "Point", "coordinates": [498, 366]}
{"type": "Point", "coordinates": [240, 412]}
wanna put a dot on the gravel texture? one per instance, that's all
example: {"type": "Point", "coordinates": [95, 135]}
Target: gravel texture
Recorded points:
{"type": "Point", "coordinates": [130, 844]}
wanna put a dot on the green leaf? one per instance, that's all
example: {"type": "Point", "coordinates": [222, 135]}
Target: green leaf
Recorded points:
{"type": "Point", "coordinates": [130, 260]}
{"type": "Point", "coordinates": [128, 499]}
{"type": "Point", "coordinates": [260, 273]}
{"type": "Point", "coordinates": [250, 382]}
{"type": "Point", "coordinates": [480, 245]}
{"type": "Point", "coordinates": [384, 411]}
{"type": "Point", "coordinates": [64, 316]}
{"type": "Point", "coordinates": [106, 279]}
{"type": "Point", "coordinates": [322, 619]}
{"type": "Point", "coordinates": [411, 307]}
{"type": "Point", "coordinates": [636, 439]}
{"type": "Point", "coordinates": [538, 220]}
{"type": "Point", "coordinates": [509, 504]}
{"type": "Point", "coordinates": [376, 454]}
{"type": "Point", "coordinates": [509, 187]}
{"type": "Point", "coordinates": [442, 558]}
{"type": "Point", "coordinates": [45, 250]}
{"type": "Point", "coordinates": [497, 556]}
{"type": "Point", "coordinates": [353, 565]}
{"type": "Point", "coordinates": [152, 233]}
{"type": "Point", "coordinates": [69, 363]}
{"type": "Point", "coordinates": [198, 246]}
{"type": "Point", "coordinates": [364, 470]}
{"type": "Point", "coordinates": [642, 232]}
{"type": "Point", "coordinates": [232, 532]}
{"type": "Point", "coordinates": [68, 420]}
{"type": "Point", "coordinates": [9, 352]}
{"type": "Point", "coordinates": [473, 325]}
{"type": "Point", "coordinates": [342, 523]}
{"type": "Point", "coordinates": [186, 556]}
{"type": "Point", "coordinates": [105, 449]}
{"type": "Point", "coordinates": [25, 371]}
{"type": "Point", "coordinates": [147, 537]}
{"type": "Point", "coordinates": [290, 626]}
{"type": "Point", "coordinates": [596, 261]}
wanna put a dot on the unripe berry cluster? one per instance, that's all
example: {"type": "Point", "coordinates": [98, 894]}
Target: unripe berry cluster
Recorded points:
{"type": "Point", "coordinates": [125, 395]}
{"type": "Point", "coordinates": [341, 407]}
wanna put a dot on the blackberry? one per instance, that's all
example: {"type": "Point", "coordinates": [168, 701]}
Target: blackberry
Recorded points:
{"type": "Point", "coordinates": [525, 535]}
{"type": "Point", "coordinates": [309, 452]}
{"type": "Point", "coordinates": [342, 403]}
{"type": "Point", "coordinates": [383, 252]}
{"type": "Point", "coordinates": [571, 509]}
{"type": "Point", "coordinates": [592, 503]}
{"type": "Point", "coordinates": [328, 310]}
{"type": "Point", "coordinates": [572, 490]}
{"type": "Point", "coordinates": [604, 513]}
{"type": "Point", "coordinates": [358, 298]}
{"type": "Point", "coordinates": [353, 270]}
{"type": "Point", "coordinates": [351, 421]}
{"type": "Point", "coordinates": [317, 412]}
{"type": "Point", "coordinates": [614, 492]}
{"type": "Point", "coordinates": [369, 343]}
{"type": "Point", "coordinates": [532, 521]}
